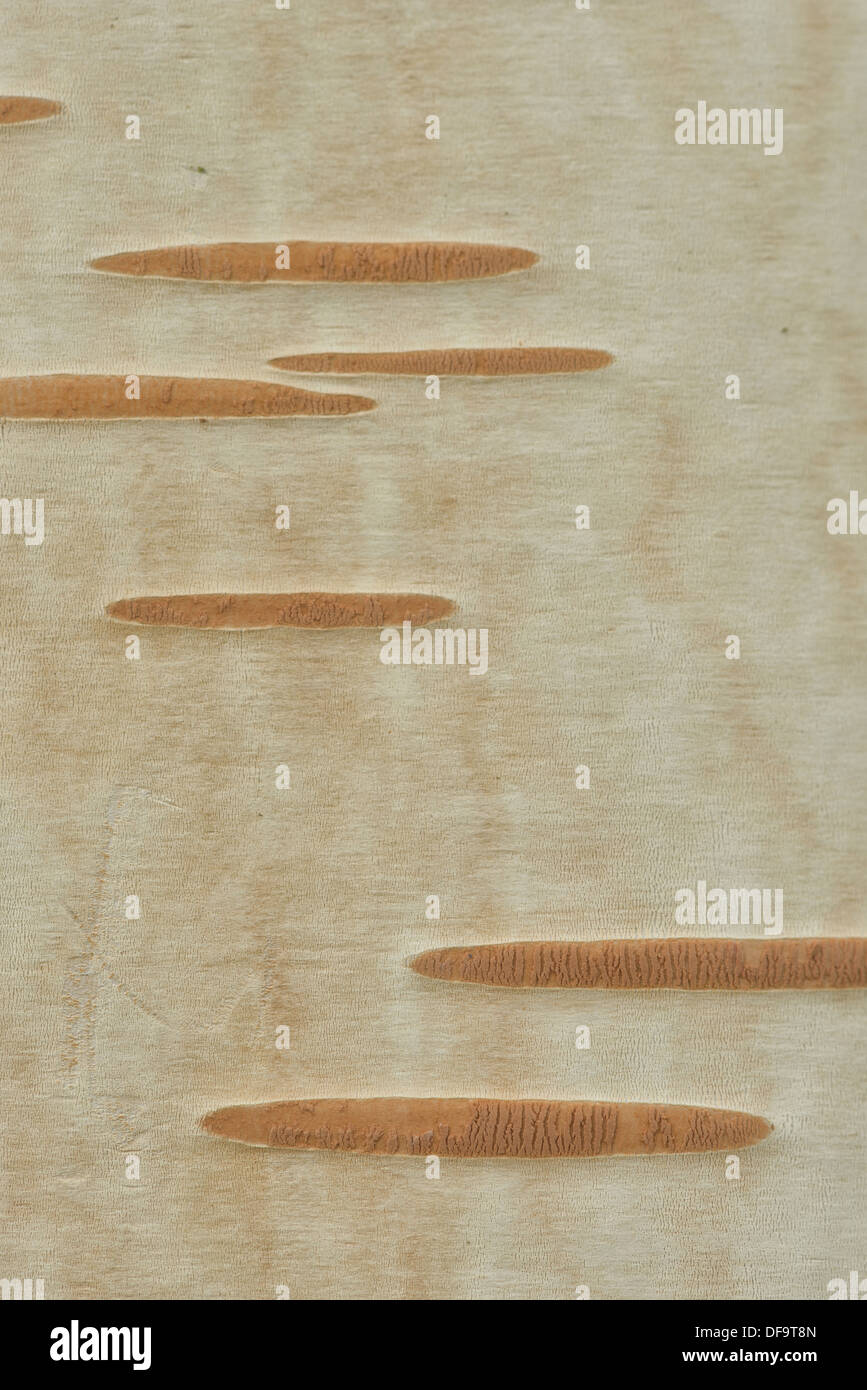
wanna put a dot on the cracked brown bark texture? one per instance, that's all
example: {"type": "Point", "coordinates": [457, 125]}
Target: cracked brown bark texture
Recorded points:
{"type": "Point", "coordinates": [675, 963]}
{"type": "Point", "coordinates": [487, 1128]}
{"type": "Point", "coordinates": [238, 262]}
{"type": "Point", "coordinates": [310, 610]}
{"type": "Point", "coordinates": [15, 110]}
{"type": "Point", "coordinates": [66, 396]}
{"type": "Point", "coordinates": [450, 362]}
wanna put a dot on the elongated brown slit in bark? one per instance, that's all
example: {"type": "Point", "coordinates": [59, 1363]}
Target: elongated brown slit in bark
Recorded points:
{"type": "Point", "coordinates": [449, 362]}
{"type": "Point", "coordinates": [70, 397]}
{"type": "Point", "coordinates": [487, 1128]}
{"type": "Point", "coordinates": [15, 110]}
{"type": "Point", "coordinates": [240, 262]}
{"type": "Point", "coordinates": [312, 610]}
{"type": "Point", "coordinates": [669, 963]}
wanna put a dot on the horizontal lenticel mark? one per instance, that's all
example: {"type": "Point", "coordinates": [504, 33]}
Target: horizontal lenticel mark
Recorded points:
{"type": "Point", "coordinates": [488, 1128]}
{"type": "Point", "coordinates": [309, 610]}
{"type": "Point", "coordinates": [14, 110]}
{"type": "Point", "coordinates": [666, 963]}
{"type": "Point", "coordinates": [71, 397]}
{"type": "Point", "coordinates": [449, 362]}
{"type": "Point", "coordinates": [239, 262]}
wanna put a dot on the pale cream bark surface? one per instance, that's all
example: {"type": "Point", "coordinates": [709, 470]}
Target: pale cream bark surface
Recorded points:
{"type": "Point", "coordinates": [264, 908]}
